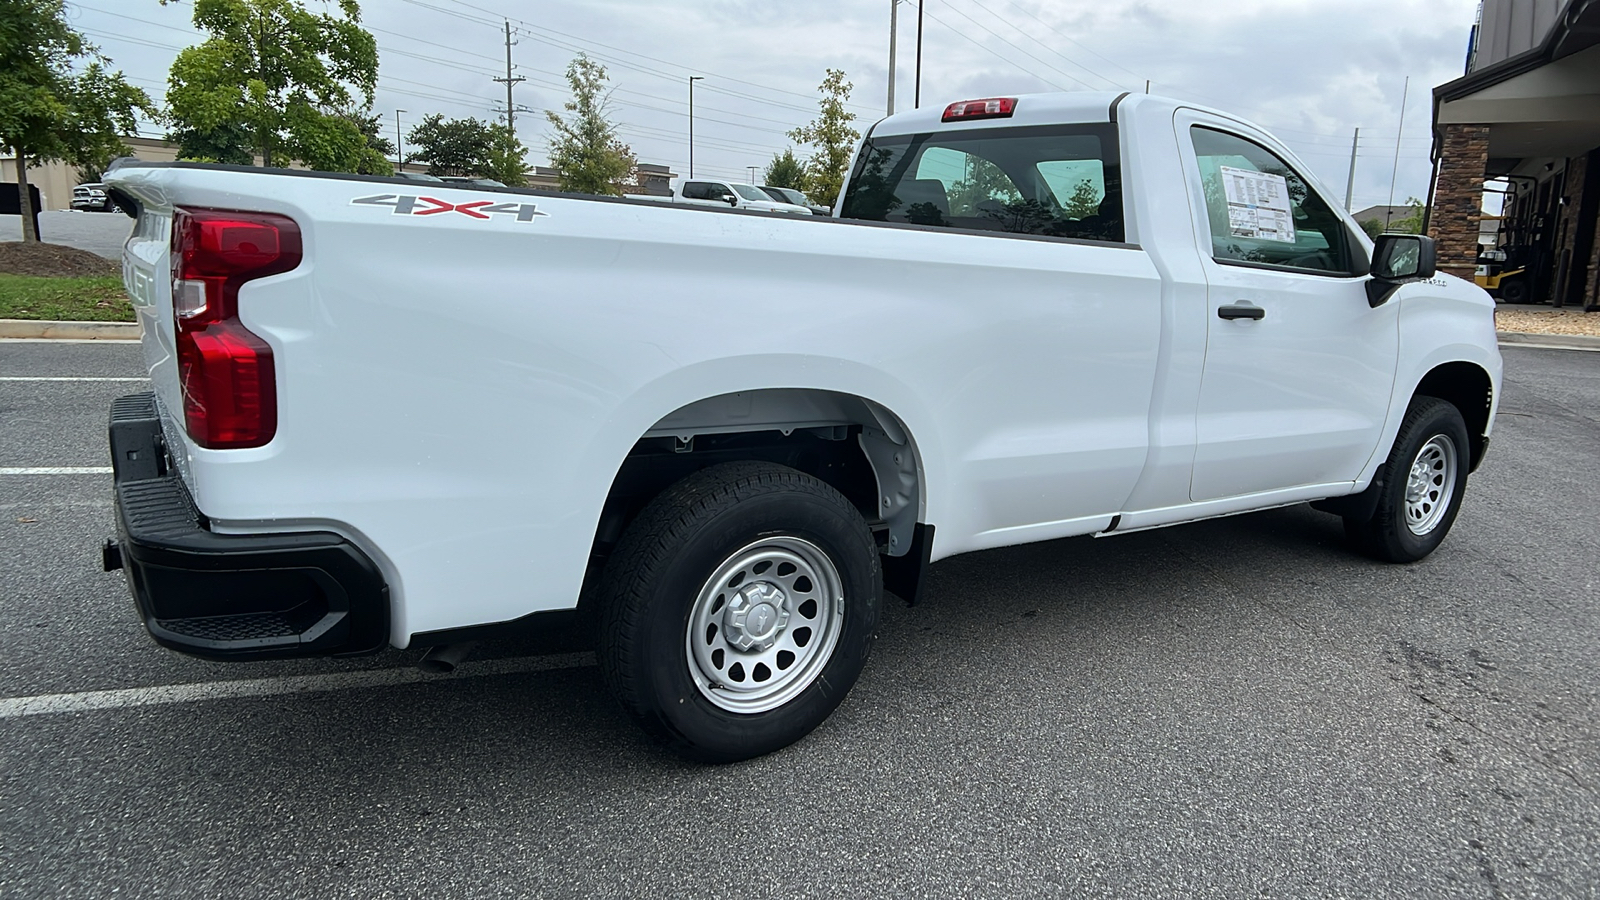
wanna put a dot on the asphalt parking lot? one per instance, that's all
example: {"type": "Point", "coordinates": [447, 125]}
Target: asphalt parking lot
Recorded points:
{"type": "Point", "coordinates": [96, 232]}
{"type": "Point", "coordinates": [1233, 708]}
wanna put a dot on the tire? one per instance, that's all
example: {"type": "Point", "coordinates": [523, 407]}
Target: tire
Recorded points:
{"type": "Point", "coordinates": [738, 610]}
{"type": "Point", "coordinates": [1420, 486]}
{"type": "Point", "coordinates": [1515, 290]}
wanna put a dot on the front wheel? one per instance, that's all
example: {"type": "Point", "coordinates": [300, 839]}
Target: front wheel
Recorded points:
{"type": "Point", "coordinates": [738, 610]}
{"type": "Point", "coordinates": [1420, 486]}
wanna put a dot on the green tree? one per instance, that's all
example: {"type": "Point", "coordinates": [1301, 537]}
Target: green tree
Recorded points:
{"type": "Point", "coordinates": [370, 125]}
{"type": "Point", "coordinates": [830, 133]}
{"type": "Point", "coordinates": [1411, 222]}
{"type": "Point", "coordinates": [786, 172]}
{"type": "Point", "coordinates": [1084, 202]}
{"type": "Point", "coordinates": [47, 110]}
{"type": "Point", "coordinates": [585, 149]}
{"type": "Point", "coordinates": [288, 76]}
{"type": "Point", "coordinates": [449, 146]}
{"type": "Point", "coordinates": [469, 147]}
{"type": "Point", "coordinates": [1373, 227]}
{"type": "Point", "coordinates": [983, 181]}
{"type": "Point", "coordinates": [227, 143]}
{"type": "Point", "coordinates": [507, 159]}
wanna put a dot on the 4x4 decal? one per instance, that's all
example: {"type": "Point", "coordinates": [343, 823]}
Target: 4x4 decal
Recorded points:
{"type": "Point", "coordinates": [413, 205]}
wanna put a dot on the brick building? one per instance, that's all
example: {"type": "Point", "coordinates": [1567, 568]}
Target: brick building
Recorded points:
{"type": "Point", "coordinates": [1526, 111]}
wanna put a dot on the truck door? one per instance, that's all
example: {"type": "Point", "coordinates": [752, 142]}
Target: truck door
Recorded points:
{"type": "Point", "coordinates": [1298, 368]}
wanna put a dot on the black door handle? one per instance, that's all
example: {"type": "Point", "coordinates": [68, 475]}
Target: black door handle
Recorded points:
{"type": "Point", "coordinates": [1240, 311]}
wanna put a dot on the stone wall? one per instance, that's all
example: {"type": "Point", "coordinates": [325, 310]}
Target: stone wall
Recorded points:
{"type": "Point", "coordinates": [1458, 198]}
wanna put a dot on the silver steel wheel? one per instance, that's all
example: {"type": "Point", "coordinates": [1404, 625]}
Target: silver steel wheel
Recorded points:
{"type": "Point", "coordinates": [1431, 484]}
{"type": "Point", "coordinates": [765, 624]}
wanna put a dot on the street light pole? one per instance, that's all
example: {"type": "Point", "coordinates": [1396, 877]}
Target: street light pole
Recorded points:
{"type": "Point", "coordinates": [752, 173]}
{"type": "Point", "coordinates": [692, 80]}
{"type": "Point", "coordinates": [894, 14]}
{"type": "Point", "coordinates": [916, 96]}
{"type": "Point", "coordinates": [399, 146]}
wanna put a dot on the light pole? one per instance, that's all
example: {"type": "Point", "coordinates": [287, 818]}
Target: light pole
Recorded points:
{"type": "Point", "coordinates": [916, 93]}
{"type": "Point", "coordinates": [692, 80]}
{"type": "Point", "coordinates": [399, 146]}
{"type": "Point", "coordinates": [752, 173]}
{"type": "Point", "coordinates": [894, 13]}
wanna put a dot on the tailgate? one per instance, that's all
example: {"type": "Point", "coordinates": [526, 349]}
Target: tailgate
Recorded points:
{"type": "Point", "coordinates": [147, 275]}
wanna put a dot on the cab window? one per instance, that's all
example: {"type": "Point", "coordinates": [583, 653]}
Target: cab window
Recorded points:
{"type": "Point", "coordinates": [1052, 181]}
{"type": "Point", "coordinates": [1261, 211]}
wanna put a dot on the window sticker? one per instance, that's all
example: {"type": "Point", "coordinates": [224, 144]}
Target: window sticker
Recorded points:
{"type": "Point", "coordinates": [1258, 205]}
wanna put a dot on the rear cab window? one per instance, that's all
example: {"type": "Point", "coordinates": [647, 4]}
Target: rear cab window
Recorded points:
{"type": "Point", "coordinates": [1060, 181]}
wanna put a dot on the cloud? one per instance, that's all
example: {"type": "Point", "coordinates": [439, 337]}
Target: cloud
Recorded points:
{"type": "Point", "coordinates": [1309, 71]}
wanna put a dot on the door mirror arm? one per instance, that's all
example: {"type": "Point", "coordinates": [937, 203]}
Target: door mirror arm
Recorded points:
{"type": "Point", "coordinates": [1397, 260]}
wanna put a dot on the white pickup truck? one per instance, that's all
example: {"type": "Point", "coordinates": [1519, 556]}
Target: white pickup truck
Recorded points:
{"type": "Point", "coordinates": [389, 414]}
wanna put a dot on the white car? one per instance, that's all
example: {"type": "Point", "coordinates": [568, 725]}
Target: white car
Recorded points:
{"type": "Point", "coordinates": [393, 414]}
{"type": "Point", "coordinates": [732, 195]}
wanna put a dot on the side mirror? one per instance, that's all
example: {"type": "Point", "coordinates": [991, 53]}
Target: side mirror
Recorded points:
{"type": "Point", "coordinates": [1399, 259]}
{"type": "Point", "coordinates": [730, 199]}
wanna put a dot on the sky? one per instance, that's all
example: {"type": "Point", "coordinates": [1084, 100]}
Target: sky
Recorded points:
{"type": "Point", "coordinates": [1309, 71]}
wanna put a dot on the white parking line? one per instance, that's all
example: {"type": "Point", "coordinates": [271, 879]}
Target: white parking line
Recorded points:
{"type": "Point", "coordinates": [117, 341]}
{"type": "Point", "coordinates": [66, 378]}
{"type": "Point", "coordinates": [1548, 347]}
{"type": "Point", "coordinates": [55, 470]}
{"type": "Point", "coordinates": [86, 701]}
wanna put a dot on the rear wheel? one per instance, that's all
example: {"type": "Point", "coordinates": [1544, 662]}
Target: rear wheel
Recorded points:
{"type": "Point", "coordinates": [1420, 486]}
{"type": "Point", "coordinates": [738, 610]}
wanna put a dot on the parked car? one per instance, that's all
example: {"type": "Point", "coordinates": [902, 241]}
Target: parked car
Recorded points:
{"type": "Point", "coordinates": [92, 197]}
{"type": "Point", "coordinates": [425, 416]}
{"type": "Point", "coordinates": [732, 195]}
{"type": "Point", "coordinates": [790, 195]}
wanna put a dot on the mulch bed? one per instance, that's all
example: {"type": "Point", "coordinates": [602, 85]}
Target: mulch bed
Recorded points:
{"type": "Point", "coordinates": [53, 260]}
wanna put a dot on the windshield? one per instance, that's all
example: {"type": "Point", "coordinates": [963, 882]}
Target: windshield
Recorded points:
{"type": "Point", "coordinates": [751, 192]}
{"type": "Point", "coordinates": [787, 195]}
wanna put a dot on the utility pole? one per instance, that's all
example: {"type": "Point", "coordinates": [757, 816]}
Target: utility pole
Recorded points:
{"type": "Point", "coordinates": [894, 18]}
{"type": "Point", "coordinates": [399, 146]}
{"type": "Point", "coordinates": [692, 80]}
{"type": "Point", "coordinates": [916, 97]}
{"type": "Point", "coordinates": [1350, 186]}
{"type": "Point", "coordinates": [1388, 213]}
{"type": "Point", "coordinates": [508, 81]}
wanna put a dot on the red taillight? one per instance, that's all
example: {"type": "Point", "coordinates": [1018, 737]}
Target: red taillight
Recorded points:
{"type": "Point", "coordinates": [993, 108]}
{"type": "Point", "coordinates": [229, 388]}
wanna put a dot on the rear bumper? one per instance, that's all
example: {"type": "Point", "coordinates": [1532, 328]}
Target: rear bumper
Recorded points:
{"type": "Point", "coordinates": [228, 596]}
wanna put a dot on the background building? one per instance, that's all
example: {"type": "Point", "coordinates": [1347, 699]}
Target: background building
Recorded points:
{"type": "Point", "coordinates": [55, 180]}
{"type": "Point", "coordinates": [1527, 111]}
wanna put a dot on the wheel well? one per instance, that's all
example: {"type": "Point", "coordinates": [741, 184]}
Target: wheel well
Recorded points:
{"type": "Point", "coordinates": [856, 446]}
{"type": "Point", "coordinates": [1467, 387]}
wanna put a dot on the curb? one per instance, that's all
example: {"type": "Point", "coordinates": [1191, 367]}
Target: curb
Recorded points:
{"type": "Point", "coordinates": [1549, 341]}
{"type": "Point", "coordinates": [44, 329]}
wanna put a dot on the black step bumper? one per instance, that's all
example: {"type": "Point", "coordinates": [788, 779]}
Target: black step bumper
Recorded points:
{"type": "Point", "coordinates": [231, 596]}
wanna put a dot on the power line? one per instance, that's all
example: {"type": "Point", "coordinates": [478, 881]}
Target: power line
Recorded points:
{"type": "Point", "coordinates": [997, 36]}
{"type": "Point", "coordinates": [1047, 47]}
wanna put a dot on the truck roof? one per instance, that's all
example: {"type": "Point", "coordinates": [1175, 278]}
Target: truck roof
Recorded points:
{"type": "Point", "coordinates": [1066, 107]}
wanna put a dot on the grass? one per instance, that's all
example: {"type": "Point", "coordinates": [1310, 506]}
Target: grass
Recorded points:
{"type": "Point", "coordinates": [64, 299]}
